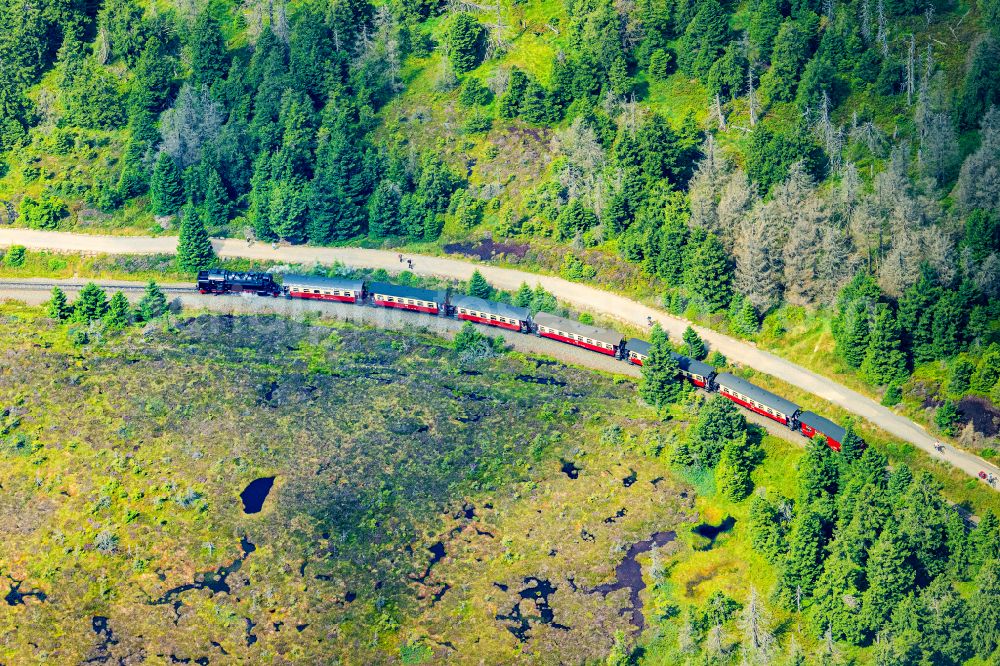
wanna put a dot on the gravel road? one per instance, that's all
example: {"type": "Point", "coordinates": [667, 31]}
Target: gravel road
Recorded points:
{"type": "Point", "coordinates": [579, 295]}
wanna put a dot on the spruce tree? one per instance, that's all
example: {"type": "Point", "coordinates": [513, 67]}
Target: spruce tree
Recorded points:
{"type": "Point", "coordinates": [817, 476]}
{"type": "Point", "coordinates": [465, 42]}
{"type": "Point", "coordinates": [719, 422]}
{"type": "Point", "coordinates": [166, 188]}
{"type": "Point", "coordinates": [694, 346]}
{"type": "Point", "coordinates": [621, 82]}
{"type": "Point", "coordinates": [746, 321]}
{"type": "Point", "coordinates": [856, 335]}
{"type": "Point", "coordinates": [949, 315]}
{"type": "Point", "coordinates": [215, 206]}
{"type": "Point", "coordinates": [704, 39]}
{"type": "Point", "coordinates": [890, 578]}
{"type": "Point", "coordinates": [194, 249]}
{"type": "Point", "coordinates": [119, 314]}
{"type": "Point", "coordinates": [91, 304]}
{"type": "Point", "coordinates": [383, 211]}
{"type": "Point", "coordinates": [960, 378]}
{"type": "Point", "coordinates": [984, 606]}
{"type": "Point", "coordinates": [916, 316]}
{"type": "Point", "coordinates": [524, 295]}
{"type": "Point", "coordinates": [735, 466]}
{"type": "Point", "coordinates": [478, 286]}
{"type": "Point", "coordinates": [837, 595]}
{"type": "Point", "coordinates": [660, 385]}
{"type": "Point", "coordinates": [987, 372]}
{"type": "Point", "coordinates": [59, 308]}
{"type": "Point", "coordinates": [959, 548]}
{"type": "Point", "coordinates": [766, 528]}
{"type": "Point", "coordinates": [153, 303]}
{"type": "Point", "coordinates": [805, 556]}
{"type": "Point", "coordinates": [884, 361]}
{"type": "Point", "coordinates": [209, 59]}
{"type": "Point", "coordinates": [709, 274]}
{"type": "Point", "coordinates": [853, 446]}
{"type": "Point", "coordinates": [985, 539]}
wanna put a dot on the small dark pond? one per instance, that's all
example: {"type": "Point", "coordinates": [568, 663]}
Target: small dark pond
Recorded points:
{"type": "Point", "coordinates": [569, 469]}
{"type": "Point", "coordinates": [215, 581]}
{"type": "Point", "coordinates": [710, 531]}
{"type": "Point", "coordinates": [628, 574]}
{"type": "Point", "coordinates": [437, 553]}
{"type": "Point", "coordinates": [105, 639]}
{"type": "Point", "coordinates": [253, 495]}
{"type": "Point", "coordinates": [538, 590]}
{"type": "Point", "coordinates": [17, 596]}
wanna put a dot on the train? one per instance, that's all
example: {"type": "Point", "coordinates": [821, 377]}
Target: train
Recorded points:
{"type": "Point", "coordinates": [512, 318]}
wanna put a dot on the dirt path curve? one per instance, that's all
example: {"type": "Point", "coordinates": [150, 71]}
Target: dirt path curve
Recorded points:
{"type": "Point", "coordinates": [578, 295]}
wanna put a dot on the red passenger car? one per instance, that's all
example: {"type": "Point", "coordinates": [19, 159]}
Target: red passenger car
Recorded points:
{"type": "Point", "coordinates": [812, 424]}
{"type": "Point", "coordinates": [324, 289]}
{"type": "Point", "coordinates": [757, 399]}
{"type": "Point", "coordinates": [407, 298]}
{"type": "Point", "coordinates": [601, 340]}
{"type": "Point", "coordinates": [490, 313]}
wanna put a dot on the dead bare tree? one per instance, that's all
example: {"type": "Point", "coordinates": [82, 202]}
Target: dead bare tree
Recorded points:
{"type": "Point", "coordinates": [758, 261]}
{"type": "Point", "coordinates": [496, 44]}
{"type": "Point", "coordinates": [883, 34]}
{"type": "Point", "coordinates": [755, 622]}
{"type": "Point", "coordinates": [910, 65]}
{"type": "Point", "coordinates": [719, 114]}
{"type": "Point", "coordinates": [752, 103]}
{"type": "Point", "coordinates": [866, 21]}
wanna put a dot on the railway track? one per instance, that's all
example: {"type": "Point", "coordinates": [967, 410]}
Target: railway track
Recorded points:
{"type": "Point", "coordinates": [72, 285]}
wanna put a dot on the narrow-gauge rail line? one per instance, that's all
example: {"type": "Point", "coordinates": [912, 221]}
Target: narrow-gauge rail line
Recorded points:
{"type": "Point", "coordinates": [576, 294]}
{"type": "Point", "coordinates": [23, 285]}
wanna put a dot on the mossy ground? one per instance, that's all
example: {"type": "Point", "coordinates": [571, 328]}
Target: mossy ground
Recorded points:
{"type": "Point", "coordinates": [124, 460]}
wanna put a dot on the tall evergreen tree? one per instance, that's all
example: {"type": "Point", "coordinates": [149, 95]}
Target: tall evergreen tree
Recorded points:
{"type": "Point", "coordinates": [383, 211]}
{"type": "Point", "coordinates": [709, 274]}
{"type": "Point", "coordinates": [817, 477]}
{"type": "Point", "coordinates": [884, 361]}
{"type": "Point", "coordinates": [985, 539]}
{"type": "Point", "coordinates": [523, 297]}
{"type": "Point", "coordinates": [215, 206]}
{"type": "Point", "coordinates": [465, 42]}
{"type": "Point", "coordinates": [153, 303]}
{"type": "Point", "coordinates": [719, 421]}
{"type": "Point", "coordinates": [890, 578]}
{"type": "Point", "coordinates": [91, 304]}
{"type": "Point", "coordinates": [704, 39]}
{"type": "Point", "coordinates": [209, 58]}
{"type": "Point", "coordinates": [767, 530]}
{"type": "Point", "coordinates": [803, 563]}
{"type": "Point", "coordinates": [856, 335]}
{"type": "Point", "coordinates": [949, 324]}
{"type": "Point", "coordinates": [478, 286]}
{"type": "Point", "coordinates": [694, 346]}
{"type": "Point", "coordinates": [852, 448]}
{"type": "Point", "coordinates": [166, 187]}
{"type": "Point", "coordinates": [660, 385]}
{"type": "Point", "coordinates": [916, 316]}
{"type": "Point", "coordinates": [119, 314]}
{"type": "Point", "coordinates": [59, 308]}
{"type": "Point", "coordinates": [984, 608]}
{"type": "Point", "coordinates": [194, 249]}
{"type": "Point", "coordinates": [787, 61]}
{"type": "Point", "coordinates": [736, 463]}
